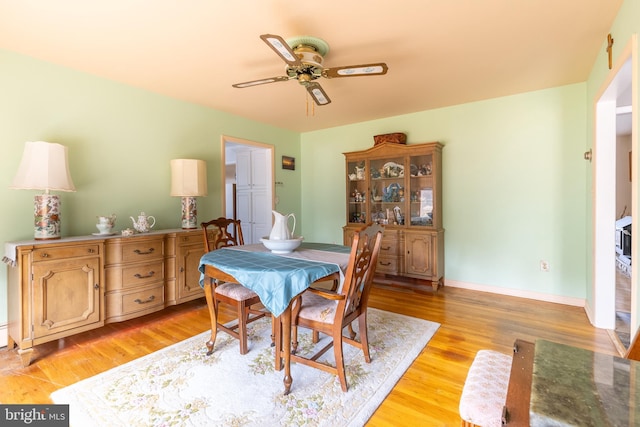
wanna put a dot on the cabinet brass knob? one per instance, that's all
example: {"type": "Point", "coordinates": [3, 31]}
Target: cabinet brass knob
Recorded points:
{"type": "Point", "coordinates": [91, 250]}
{"type": "Point", "coordinates": [96, 286]}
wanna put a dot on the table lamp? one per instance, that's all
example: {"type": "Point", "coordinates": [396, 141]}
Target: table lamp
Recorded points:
{"type": "Point", "coordinates": [44, 166]}
{"type": "Point", "coordinates": [189, 180]}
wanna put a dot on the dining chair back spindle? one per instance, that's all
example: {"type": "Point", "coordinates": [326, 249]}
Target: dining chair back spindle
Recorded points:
{"type": "Point", "coordinates": [330, 312]}
{"type": "Point", "coordinates": [219, 233]}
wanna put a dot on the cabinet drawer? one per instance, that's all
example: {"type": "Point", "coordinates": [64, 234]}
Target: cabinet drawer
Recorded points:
{"type": "Point", "coordinates": [134, 275]}
{"type": "Point", "coordinates": [123, 303]}
{"type": "Point", "coordinates": [138, 251]}
{"type": "Point", "coordinates": [62, 252]}
{"type": "Point", "coordinates": [143, 273]}
{"type": "Point", "coordinates": [191, 239]}
{"type": "Point", "coordinates": [143, 299]}
{"type": "Point", "coordinates": [389, 246]}
{"type": "Point", "coordinates": [387, 264]}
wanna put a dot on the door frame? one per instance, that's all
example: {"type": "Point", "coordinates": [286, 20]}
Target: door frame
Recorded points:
{"type": "Point", "coordinates": [604, 179]}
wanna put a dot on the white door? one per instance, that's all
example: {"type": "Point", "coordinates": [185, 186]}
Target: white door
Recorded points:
{"type": "Point", "coordinates": [254, 184]}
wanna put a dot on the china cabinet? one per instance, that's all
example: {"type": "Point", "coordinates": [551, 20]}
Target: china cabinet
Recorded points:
{"type": "Point", "coordinates": [400, 186]}
{"type": "Point", "coordinates": [71, 285]}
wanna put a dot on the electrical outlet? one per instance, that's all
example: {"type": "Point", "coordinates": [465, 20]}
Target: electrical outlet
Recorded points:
{"type": "Point", "coordinates": [544, 266]}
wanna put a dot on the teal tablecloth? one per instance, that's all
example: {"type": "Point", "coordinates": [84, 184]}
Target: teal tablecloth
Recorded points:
{"type": "Point", "coordinates": [277, 279]}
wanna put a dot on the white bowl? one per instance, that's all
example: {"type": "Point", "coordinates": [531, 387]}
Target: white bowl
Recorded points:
{"type": "Point", "coordinates": [282, 246]}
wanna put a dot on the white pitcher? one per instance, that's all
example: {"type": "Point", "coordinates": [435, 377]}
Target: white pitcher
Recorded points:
{"type": "Point", "coordinates": [280, 230]}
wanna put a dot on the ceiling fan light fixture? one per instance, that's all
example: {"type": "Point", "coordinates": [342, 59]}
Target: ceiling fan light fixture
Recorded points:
{"type": "Point", "coordinates": [319, 45]}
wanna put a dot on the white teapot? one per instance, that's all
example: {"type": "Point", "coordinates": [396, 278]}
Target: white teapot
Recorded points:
{"type": "Point", "coordinates": [106, 223]}
{"type": "Point", "coordinates": [143, 224]}
{"type": "Point", "coordinates": [280, 230]}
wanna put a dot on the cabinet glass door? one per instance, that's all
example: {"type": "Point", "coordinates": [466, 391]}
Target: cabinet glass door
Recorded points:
{"type": "Point", "coordinates": [387, 191]}
{"type": "Point", "coordinates": [357, 192]}
{"type": "Point", "coordinates": [421, 190]}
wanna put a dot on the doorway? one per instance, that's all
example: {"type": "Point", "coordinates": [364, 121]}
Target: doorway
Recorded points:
{"type": "Point", "coordinates": [615, 187]}
{"type": "Point", "coordinates": [247, 168]}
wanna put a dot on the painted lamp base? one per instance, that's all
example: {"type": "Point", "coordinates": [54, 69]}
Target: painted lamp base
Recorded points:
{"type": "Point", "coordinates": [189, 213]}
{"type": "Point", "coordinates": [46, 216]}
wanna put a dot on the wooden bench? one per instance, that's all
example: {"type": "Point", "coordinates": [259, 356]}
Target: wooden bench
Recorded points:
{"type": "Point", "coordinates": [485, 389]}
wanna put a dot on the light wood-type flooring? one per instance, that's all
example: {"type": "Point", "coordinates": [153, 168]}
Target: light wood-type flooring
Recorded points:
{"type": "Point", "coordinates": [427, 395]}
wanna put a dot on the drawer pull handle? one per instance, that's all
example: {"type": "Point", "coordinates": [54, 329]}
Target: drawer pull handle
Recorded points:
{"type": "Point", "coordinates": [140, 276]}
{"type": "Point", "coordinates": [45, 255]}
{"type": "Point", "coordinates": [384, 263]}
{"type": "Point", "coordinates": [388, 248]}
{"type": "Point", "coordinates": [139, 252]}
{"type": "Point", "coordinates": [91, 251]}
{"type": "Point", "coordinates": [139, 301]}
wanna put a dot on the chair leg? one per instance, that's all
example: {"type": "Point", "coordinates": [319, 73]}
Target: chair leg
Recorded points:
{"type": "Point", "coordinates": [337, 352]}
{"type": "Point", "coordinates": [364, 340]}
{"type": "Point", "coordinates": [294, 339]}
{"type": "Point", "coordinates": [243, 316]}
{"type": "Point", "coordinates": [213, 315]}
{"type": "Point", "coordinates": [273, 331]}
{"type": "Point", "coordinates": [352, 333]}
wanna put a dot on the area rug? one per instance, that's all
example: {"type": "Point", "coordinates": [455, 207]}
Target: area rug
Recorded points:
{"type": "Point", "coordinates": [182, 386]}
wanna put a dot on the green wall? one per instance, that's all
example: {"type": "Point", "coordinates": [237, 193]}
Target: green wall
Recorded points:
{"type": "Point", "coordinates": [516, 189]}
{"type": "Point", "coordinates": [120, 141]}
{"type": "Point", "coordinates": [513, 178]}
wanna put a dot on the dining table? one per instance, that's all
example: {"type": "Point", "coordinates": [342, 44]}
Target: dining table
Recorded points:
{"type": "Point", "coordinates": [278, 279]}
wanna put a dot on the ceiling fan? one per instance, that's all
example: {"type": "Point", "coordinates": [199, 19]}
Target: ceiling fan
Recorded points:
{"type": "Point", "coordinates": [303, 56]}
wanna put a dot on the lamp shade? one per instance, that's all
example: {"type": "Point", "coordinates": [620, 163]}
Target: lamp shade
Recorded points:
{"type": "Point", "coordinates": [188, 178]}
{"type": "Point", "coordinates": [44, 166]}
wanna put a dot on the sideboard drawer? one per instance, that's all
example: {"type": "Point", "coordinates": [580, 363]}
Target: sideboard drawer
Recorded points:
{"type": "Point", "coordinates": [123, 305]}
{"type": "Point", "coordinates": [62, 252]}
{"type": "Point", "coordinates": [134, 275]}
{"type": "Point", "coordinates": [191, 239]}
{"type": "Point", "coordinates": [139, 251]}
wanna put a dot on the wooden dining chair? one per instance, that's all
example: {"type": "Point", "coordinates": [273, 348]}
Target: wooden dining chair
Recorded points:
{"type": "Point", "coordinates": [219, 233]}
{"type": "Point", "coordinates": [329, 312]}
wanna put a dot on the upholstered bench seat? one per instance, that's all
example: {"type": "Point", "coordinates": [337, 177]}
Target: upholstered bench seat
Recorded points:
{"type": "Point", "coordinates": [485, 389]}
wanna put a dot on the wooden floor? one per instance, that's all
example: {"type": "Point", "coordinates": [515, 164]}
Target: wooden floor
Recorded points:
{"type": "Point", "coordinates": [428, 394]}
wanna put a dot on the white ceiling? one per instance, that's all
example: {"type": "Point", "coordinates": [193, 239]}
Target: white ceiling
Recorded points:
{"type": "Point", "coordinates": [439, 53]}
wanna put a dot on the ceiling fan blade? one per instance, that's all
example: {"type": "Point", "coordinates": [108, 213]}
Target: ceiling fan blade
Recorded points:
{"type": "Point", "coordinates": [317, 93]}
{"type": "Point", "coordinates": [356, 70]}
{"type": "Point", "coordinates": [261, 81]}
{"type": "Point", "coordinates": [281, 47]}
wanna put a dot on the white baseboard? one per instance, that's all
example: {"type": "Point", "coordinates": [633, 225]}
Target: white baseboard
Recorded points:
{"type": "Point", "coordinates": [577, 302]}
{"type": "Point", "coordinates": [4, 335]}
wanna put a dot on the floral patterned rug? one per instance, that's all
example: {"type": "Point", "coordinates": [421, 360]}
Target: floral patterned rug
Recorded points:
{"type": "Point", "coordinates": [182, 386]}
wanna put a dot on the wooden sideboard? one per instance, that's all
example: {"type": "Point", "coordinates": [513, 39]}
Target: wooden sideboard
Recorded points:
{"type": "Point", "coordinates": [59, 288]}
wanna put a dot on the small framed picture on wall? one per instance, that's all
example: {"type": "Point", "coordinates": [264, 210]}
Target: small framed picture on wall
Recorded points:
{"type": "Point", "coordinates": [288, 163]}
